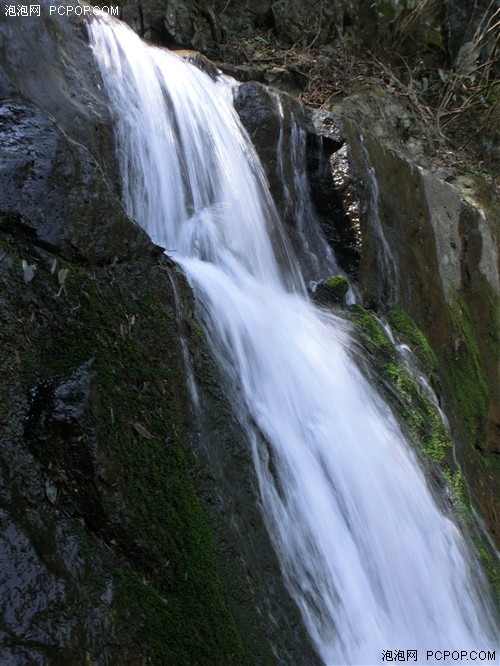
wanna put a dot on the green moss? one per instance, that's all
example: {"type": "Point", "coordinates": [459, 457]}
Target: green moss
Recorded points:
{"type": "Point", "coordinates": [167, 632]}
{"type": "Point", "coordinates": [333, 290]}
{"type": "Point", "coordinates": [420, 415]}
{"type": "Point", "coordinates": [469, 385]}
{"type": "Point", "coordinates": [433, 37]}
{"type": "Point", "coordinates": [493, 323]}
{"type": "Point", "coordinates": [196, 330]}
{"type": "Point", "coordinates": [169, 594]}
{"type": "Point", "coordinates": [417, 412]}
{"type": "Point", "coordinates": [337, 284]}
{"type": "Point", "coordinates": [376, 337]}
{"type": "Point", "coordinates": [407, 332]}
{"type": "Point", "coordinates": [459, 493]}
{"type": "Point", "coordinates": [490, 563]}
{"type": "Point", "coordinates": [460, 488]}
{"type": "Point", "coordinates": [163, 527]}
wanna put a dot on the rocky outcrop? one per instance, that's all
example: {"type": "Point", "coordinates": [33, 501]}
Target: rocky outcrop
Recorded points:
{"type": "Point", "coordinates": [55, 192]}
{"type": "Point", "coordinates": [430, 244]}
{"type": "Point", "coordinates": [175, 23]}
{"type": "Point", "coordinates": [422, 239]}
{"type": "Point", "coordinates": [436, 31]}
{"type": "Point", "coordinates": [301, 150]}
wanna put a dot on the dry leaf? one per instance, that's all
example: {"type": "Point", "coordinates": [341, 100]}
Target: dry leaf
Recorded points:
{"type": "Point", "coordinates": [141, 430]}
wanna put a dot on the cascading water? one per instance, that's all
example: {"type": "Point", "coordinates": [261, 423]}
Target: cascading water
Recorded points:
{"type": "Point", "coordinates": [317, 258]}
{"type": "Point", "coordinates": [369, 558]}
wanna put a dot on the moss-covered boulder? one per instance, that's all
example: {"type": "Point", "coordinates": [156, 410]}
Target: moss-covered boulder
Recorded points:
{"type": "Point", "coordinates": [400, 362]}
{"type": "Point", "coordinates": [94, 410]}
{"type": "Point", "coordinates": [332, 291]}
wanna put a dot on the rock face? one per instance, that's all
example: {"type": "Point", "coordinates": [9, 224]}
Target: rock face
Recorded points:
{"type": "Point", "coordinates": [175, 23]}
{"type": "Point", "coordinates": [415, 236]}
{"type": "Point", "coordinates": [301, 151]}
{"type": "Point", "coordinates": [80, 218]}
{"type": "Point", "coordinates": [430, 244]}
{"type": "Point", "coordinates": [435, 30]}
{"type": "Point", "coordinates": [117, 534]}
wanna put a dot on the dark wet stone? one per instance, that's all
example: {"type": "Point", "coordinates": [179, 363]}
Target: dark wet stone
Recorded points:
{"type": "Point", "coordinates": [54, 191]}
{"type": "Point", "coordinates": [272, 120]}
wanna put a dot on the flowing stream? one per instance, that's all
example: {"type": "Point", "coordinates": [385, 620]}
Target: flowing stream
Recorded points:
{"type": "Point", "coordinates": [367, 555]}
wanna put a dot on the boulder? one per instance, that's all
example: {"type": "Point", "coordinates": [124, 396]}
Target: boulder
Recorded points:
{"type": "Point", "coordinates": [332, 291]}
{"type": "Point", "coordinates": [54, 191]}
{"type": "Point", "coordinates": [177, 24]}
{"type": "Point", "coordinates": [299, 149]}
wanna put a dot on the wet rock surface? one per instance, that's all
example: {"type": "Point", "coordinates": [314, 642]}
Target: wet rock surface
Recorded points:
{"type": "Point", "coordinates": [433, 249]}
{"type": "Point", "coordinates": [291, 139]}
{"type": "Point", "coordinates": [175, 23]}
{"type": "Point", "coordinates": [55, 191]}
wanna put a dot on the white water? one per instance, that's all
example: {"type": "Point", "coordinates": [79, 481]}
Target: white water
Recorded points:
{"type": "Point", "coordinates": [369, 558]}
{"type": "Point", "coordinates": [317, 258]}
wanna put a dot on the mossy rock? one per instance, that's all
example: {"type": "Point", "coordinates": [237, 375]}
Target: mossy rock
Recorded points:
{"type": "Point", "coordinates": [469, 384]}
{"type": "Point", "coordinates": [332, 291]}
{"type": "Point", "coordinates": [375, 337]}
{"type": "Point", "coordinates": [119, 463]}
{"type": "Point", "coordinates": [491, 566]}
{"type": "Point", "coordinates": [407, 331]}
{"type": "Point", "coordinates": [419, 416]}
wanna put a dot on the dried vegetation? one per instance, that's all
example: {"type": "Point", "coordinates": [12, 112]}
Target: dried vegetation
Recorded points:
{"type": "Point", "coordinates": [457, 103]}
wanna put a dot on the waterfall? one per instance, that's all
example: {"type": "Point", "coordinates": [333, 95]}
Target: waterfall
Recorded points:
{"type": "Point", "coordinates": [367, 555]}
